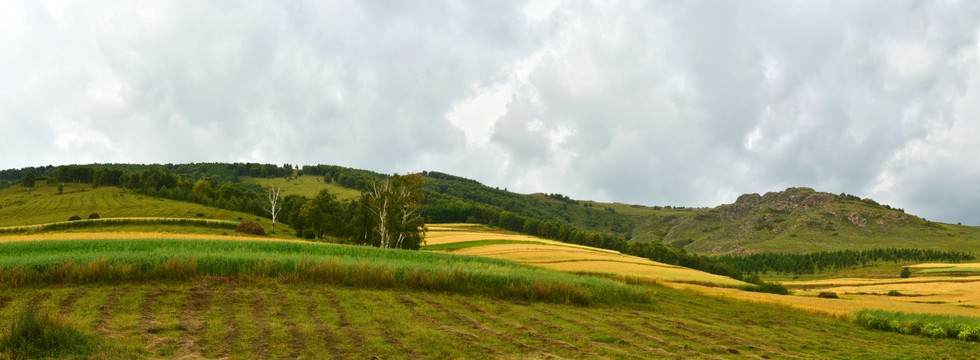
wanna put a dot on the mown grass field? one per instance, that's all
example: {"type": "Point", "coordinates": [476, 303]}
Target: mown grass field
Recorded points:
{"type": "Point", "coordinates": [216, 317]}
{"type": "Point", "coordinates": [308, 186]}
{"type": "Point", "coordinates": [466, 239]}
{"type": "Point", "coordinates": [44, 205]}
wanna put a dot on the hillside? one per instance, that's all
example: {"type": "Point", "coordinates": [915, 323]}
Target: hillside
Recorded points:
{"type": "Point", "coordinates": [803, 220]}
{"type": "Point", "coordinates": [43, 204]}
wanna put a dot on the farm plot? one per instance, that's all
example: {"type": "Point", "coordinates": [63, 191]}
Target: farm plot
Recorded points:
{"type": "Point", "coordinates": [44, 205]}
{"type": "Point", "coordinates": [222, 318]}
{"type": "Point", "coordinates": [549, 254]}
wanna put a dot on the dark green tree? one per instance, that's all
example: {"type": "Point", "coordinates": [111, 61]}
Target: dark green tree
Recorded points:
{"type": "Point", "coordinates": [29, 180]}
{"type": "Point", "coordinates": [905, 272]}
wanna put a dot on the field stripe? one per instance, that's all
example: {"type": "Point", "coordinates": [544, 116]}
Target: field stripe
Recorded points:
{"type": "Point", "coordinates": [106, 309]}
{"type": "Point", "coordinates": [69, 301]}
{"type": "Point", "coordinates": [473, 323]}
{"type": "Point", "coordinates": [385, 325]}
{"type": "Point", "coordinates": [329, 337]}
{"type": "Point", "coordinates": [230, 300]}
{"type": "Point", "coordinates": [356, 337]}
{"type": "Point", "coordinates": [192, 340]}
{"type": "Point", "coordinates": [296, 343]}
{"type": "Point", "coordinates": [464, 336]}
{"type": "Point", "coordinates": [260, 346]}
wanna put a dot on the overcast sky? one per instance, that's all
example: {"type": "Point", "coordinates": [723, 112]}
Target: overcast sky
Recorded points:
{"type": "Point", "coordinates": [648, 102]}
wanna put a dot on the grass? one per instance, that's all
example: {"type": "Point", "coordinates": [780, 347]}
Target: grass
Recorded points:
{"type": "Point", "coordinates": [43, 205]}
{"type": "Point", "coordinates": [308, 186]}
{"type": "Point", "coordinates": [115, 222]}
{"type": "Point", "coordinates": [25, 263]}
{"type": "Point", "coordinates": [33, 334]}
{"type": "Point", "coordinates": [475, 243]}
{"type": "Point", "coordinates": [222, 318]}
{"type": "Point", "coordinates": [933, 326]}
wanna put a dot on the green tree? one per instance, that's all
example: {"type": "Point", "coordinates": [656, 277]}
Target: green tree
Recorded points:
{"type": "Point", "coordinates": [396, 206]}
{"type": "Point", "coordinates": [29, 180]}
{"type": "Point", "coordinates": [323, 214]}
{"type": "Point", "coordinates": [905, 272]}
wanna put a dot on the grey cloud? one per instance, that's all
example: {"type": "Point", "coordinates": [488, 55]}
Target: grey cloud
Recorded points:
{"type": "Point", "coordinates": [646, 102]}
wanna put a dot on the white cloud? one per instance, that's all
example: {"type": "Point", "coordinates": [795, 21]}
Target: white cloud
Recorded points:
{"type": "Point", "coordinates": [644, 102]}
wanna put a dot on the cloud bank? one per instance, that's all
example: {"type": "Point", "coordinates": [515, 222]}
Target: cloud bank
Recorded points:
{"type": "Point", "coordinates": [676, 103]}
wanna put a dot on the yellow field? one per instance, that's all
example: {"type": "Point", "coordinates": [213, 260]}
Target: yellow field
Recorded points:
{"type": "Point", "coordinates": [942, 265]}
{"type": "Point", "coordinates": [567, 257]}
{"type": "Point", "coordinates": [132, 235]}
{"type": "Point", "coordinates": [840, 307]}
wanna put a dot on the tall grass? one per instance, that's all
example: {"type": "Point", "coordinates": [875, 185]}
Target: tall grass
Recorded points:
{"type": "Point", "coordinates": [85, 261]}
{"type": "Point", "coordinates": [86, 223]}
{"type": "Point", "coordinates": [32, 334]}
{"type": "Point", "coordinates": [934, 326]}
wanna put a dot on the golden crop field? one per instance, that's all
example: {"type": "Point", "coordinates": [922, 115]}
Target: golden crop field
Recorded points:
{"type": "Point", "coordinates": [838, 307]}
{"type": "Point", "coordinates": [566, 257]}
{"type": "Point", "coordinates": [134, 236]}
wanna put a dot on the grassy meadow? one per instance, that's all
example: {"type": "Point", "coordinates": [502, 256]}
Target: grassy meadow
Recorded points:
{"type": "Point", "coordinates": [218, 317]}
{"type": "Point", "coordinates": [43, 205]}
{"type": "Point", "coordinates": [305, 185]}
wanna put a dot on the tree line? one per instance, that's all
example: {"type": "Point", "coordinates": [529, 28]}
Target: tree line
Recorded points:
{"type": "Point", "coordinates": [810, 263]}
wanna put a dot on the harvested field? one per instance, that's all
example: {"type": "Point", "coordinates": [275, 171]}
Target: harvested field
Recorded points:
{"type": "Point", "coordinates": [565, 257]}
{"type": "Point", "coordinates": [264, 320]}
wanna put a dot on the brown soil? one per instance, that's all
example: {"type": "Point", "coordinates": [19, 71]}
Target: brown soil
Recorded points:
{"type": "Point", "coordinates": [105, 311]}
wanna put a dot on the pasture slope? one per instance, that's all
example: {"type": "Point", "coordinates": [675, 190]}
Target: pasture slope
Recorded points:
{"type": "Point", "coordinates": [304, 185]}
{"type": "Point", "coordinates": [43, 205]}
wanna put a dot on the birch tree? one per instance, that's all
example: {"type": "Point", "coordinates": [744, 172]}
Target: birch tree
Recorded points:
{"type": "Point", "coordinates": [396, 207]}
{"type": "Point", "coordinates": [272, 206]}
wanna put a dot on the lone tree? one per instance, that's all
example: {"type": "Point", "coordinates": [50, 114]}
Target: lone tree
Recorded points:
{"type": "Point", "coordinates": [29, 180]}
{"type": "Point", "coordinates": [396, 206]}
{"type": "Point", "coordinates": [905, 272]}
{"type": "Point", "coordinates": [272, 206]}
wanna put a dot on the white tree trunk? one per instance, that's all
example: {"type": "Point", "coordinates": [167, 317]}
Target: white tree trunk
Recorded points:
{"type": "Point", "coordinates": [273, 206]}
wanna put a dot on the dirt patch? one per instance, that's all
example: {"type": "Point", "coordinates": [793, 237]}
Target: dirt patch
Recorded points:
{"type": "Point", "coordinates": [328, 336]}
{"type": "Point", "coordinates": [66, 304]}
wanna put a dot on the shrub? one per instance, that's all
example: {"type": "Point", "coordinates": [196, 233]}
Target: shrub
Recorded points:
{"type": "Point", "coordinates": [894, 293]}
{"type": "Point", "coordinates": [250, 227]}
{"type": "Point", "coordinates": [74, 218]}
{"type": "Point", "coordinates": [93, 215]}
{"type": "Point", "coordinates": [905, 272]}
{"type": "Point", "coordinates": [767, 287]}
{"type": "Point", "coordinates": [34, 335]}
{"type": "Point", "coordinates": [828, 295]}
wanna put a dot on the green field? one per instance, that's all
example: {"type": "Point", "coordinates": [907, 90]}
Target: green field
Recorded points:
{"type": "Point", "coordinates": [44, 205]}
{"type": "Point", "coordinates": [269, 314]}
{"type": "Point", "coordinates": [308, 186]}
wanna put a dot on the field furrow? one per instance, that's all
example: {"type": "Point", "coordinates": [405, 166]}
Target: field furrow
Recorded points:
{"type": "Point", "coordinates": [322, 333]}
{"type": "Point", "coordinates": [69, 301]}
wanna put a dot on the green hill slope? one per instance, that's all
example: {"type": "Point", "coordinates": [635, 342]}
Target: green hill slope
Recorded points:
{"type": "Point", "coordinates": [43, 204]}
{"type": "Point", "coordinates": [803, 220]}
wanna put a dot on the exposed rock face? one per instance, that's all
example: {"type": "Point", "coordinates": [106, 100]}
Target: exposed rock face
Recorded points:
{"type": "Point", "coordinates": [789, 200]}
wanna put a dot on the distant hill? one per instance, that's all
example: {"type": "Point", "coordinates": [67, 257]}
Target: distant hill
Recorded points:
{"type": "Point", "coordinates": [803, 220]}
{"type": "Point", "coordinates": [795, 220]}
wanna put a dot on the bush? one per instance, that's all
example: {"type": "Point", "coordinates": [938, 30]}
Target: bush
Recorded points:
{"type": "Point", "coordinates": [34, 335]}
{"type": "Point", "coordinates": [251, 228]}
{"type": "Point", "coordinates": [767, 287]}
{"type": "Point", "coordinates": [905, 272]}
{"type": "Point", "coordinates": [93, 215]}
{"type": "Point", "coordinates": [894, 293]}
{"type": "Point", "coordinates": [74, 218]}
{"type": "Point", "coordinates": [828, 295]}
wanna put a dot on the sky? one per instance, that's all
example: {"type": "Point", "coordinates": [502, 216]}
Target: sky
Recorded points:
{"type": "Point", "coordinates": [684, 103]}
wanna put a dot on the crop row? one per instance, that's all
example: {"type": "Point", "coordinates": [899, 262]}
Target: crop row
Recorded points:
{"type": "Point", "coordinates": [934, 326]}
{"type": "Point", "coordinates": [64, 225]}
{"type": "Point", "coordinates": [88, 261]}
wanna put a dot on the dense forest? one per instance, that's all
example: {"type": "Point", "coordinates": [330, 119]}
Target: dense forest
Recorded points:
{"type": "Point", "coordinates": [816, 262]}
